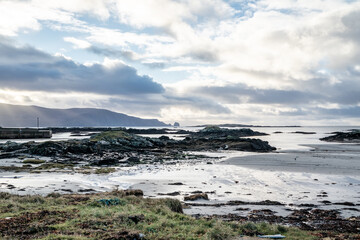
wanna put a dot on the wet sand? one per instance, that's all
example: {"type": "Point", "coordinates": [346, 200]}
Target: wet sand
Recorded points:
{"type": "Point", "coordinates": [338, 159]}
{"type": "Point", "coordinates": [326, 172]}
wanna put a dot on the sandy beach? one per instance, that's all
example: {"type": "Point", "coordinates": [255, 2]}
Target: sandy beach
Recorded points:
{"type": "Point", "coordinates": [337, 159]}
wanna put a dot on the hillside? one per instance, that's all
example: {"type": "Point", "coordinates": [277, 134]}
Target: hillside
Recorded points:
{"type": "Point", "coordinates": [26, 116]}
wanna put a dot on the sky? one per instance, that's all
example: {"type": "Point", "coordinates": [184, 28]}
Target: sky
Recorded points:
{"type": "Point", "coordinates": [283, 62]}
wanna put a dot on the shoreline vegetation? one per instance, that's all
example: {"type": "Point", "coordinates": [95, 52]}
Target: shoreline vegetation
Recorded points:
{"type": "Point", "coordinates": [125, 214]}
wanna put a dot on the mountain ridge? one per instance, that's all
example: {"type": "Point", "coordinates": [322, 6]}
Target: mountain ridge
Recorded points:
{"type": "Point", "coordinates": [26, 116]}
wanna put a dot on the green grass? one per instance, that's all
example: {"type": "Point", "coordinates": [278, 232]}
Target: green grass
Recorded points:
{"type": "Point", "coordinates": [110, 135]}
{"type": "Point", "coordinates": [48, 166]}
{"type": "Point", "coordinates": [87, 217]}
{"type": "Point", "coordinates": [105, 170]}
{"type": "Point", "coordinates": [34, 161]}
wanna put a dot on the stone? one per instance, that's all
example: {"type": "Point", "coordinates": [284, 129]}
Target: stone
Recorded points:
{"type": "Point", "coordinates": [195, 197]}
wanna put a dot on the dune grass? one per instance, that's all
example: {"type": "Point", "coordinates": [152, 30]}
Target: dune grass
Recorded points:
{"type": "Point", "coordinates": [117, 215]}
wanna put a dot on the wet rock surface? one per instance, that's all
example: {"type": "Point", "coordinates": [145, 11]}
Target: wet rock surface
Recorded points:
{"type": "Point", "coordinates": [121, 147]}
{"type": "Point", "coordinates": [351, 136]}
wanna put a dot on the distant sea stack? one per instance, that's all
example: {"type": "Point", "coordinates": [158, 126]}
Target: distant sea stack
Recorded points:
{"type": "Point", "coordinates": [26, 116]}
{"type": "Point", "coordinates": [176, 124]}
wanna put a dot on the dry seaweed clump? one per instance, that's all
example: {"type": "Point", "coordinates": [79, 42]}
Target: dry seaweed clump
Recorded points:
{"type": "Point", "coordinates": [115, 215]}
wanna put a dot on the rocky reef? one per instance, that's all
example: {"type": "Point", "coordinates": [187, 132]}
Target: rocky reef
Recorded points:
{"type": "Point", "coordinates": [120, 147]}
{"type": "Point", "coordinates": [352, 136]}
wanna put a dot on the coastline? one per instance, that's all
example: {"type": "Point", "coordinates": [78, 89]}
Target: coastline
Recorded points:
{"type": "Point", "coordinates": [239, 185]}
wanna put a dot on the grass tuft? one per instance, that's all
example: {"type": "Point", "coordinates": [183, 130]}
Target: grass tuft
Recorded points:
{"type": "Point", "coordinates": [104, 170]}
{"type": "Point", "coordinates": [34, 161]}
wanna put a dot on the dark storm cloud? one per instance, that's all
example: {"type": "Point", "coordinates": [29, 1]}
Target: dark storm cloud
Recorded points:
{"type": "Point", "coordinates": [26, 68]}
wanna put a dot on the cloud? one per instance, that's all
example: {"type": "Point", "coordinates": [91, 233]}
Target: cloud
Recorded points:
{"type": "Point", "coordinates": [97, 8]}
{"type": "Point", "coordinates": [78, 43]}
{"type": "Point", "coordinates": [155, 65]}
{"type": "Point", "coordinates": [11, 54]}
{"type": "Point", "coordinates": [108, 52]}
{"type": "Point", "coordinates": [40, 71]}
{"type": "Point", "coordinates": [167, 14]}
{"type": "Point", "coordinates": [17, 15]}
{"type": "Point", "coordinates": [353, 112]}
{"type": "Point", "coordinates": [293, 59]}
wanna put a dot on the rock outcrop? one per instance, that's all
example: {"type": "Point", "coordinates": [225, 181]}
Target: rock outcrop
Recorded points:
{"type": "Point", "coordinates": [353, 136]}
{"type": "Point", "coordinates": [113, 147]}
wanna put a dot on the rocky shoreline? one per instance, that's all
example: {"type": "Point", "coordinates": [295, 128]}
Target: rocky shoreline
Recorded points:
{"type": "Point", "coordinates": [109, 152]}
{"type": "Point", "coordinates": [352, 136]}
{"type": "Point", "coordinates": [126, 148]}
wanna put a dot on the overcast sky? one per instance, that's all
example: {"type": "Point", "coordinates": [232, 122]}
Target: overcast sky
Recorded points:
{"type": "Point", "coordinates": [192, 61]}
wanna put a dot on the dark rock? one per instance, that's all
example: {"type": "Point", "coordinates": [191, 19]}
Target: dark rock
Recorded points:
{"type": "Point", "coordinates": [345, 203]}
{"type": "Point", "coordinates": [309, 205]}
{"type": "Point", "coordinates": [262, 212]}
{"type": "Point", "coordinates": [7, 155]}
{"type": "Point", "coordinates": [133, 160]}
{"type": "Point", "coordinates": [176, 183]}
{"type": "Point", "coordinates": [105, 162]}
{"type": "Point", "coordinates": [164, 138]}
{"type": "Point", "coordinates": [301, 132]}
{"type": "Point", "coordinates": [196, 192]}
{"type": "Point", "coordinates": [349, 209]}
{"type": "Point", "coordinates": [48, 148]}
{"type": "Point", "coordinates": [86, 190]}
{"type": "Point", "coordinates": [242, 209]}
{"type": "Point", "coordinates": [78, 147]}
{"type": "Point", "coordinates": [217, 132]}
{"type": "Point", "coordinates": [196, 197]}
{"type": "Point", "coordinates": [66, 190]}
{"type": "Point", "coordinates": [352, 136]}
{"type": "Point", "coordinates": [10, 146]}
{"type": "Point", "coordinates": [134, 192]}
{"type": "Point", "coordinates": [169, 194]}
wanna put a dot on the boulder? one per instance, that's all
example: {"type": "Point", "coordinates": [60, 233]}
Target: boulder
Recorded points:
{"type": "Point", "coordinates": [197, 196]}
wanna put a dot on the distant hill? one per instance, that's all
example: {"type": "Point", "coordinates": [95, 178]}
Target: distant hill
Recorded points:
{"type": "Point", "coordinates": [25, 116]}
